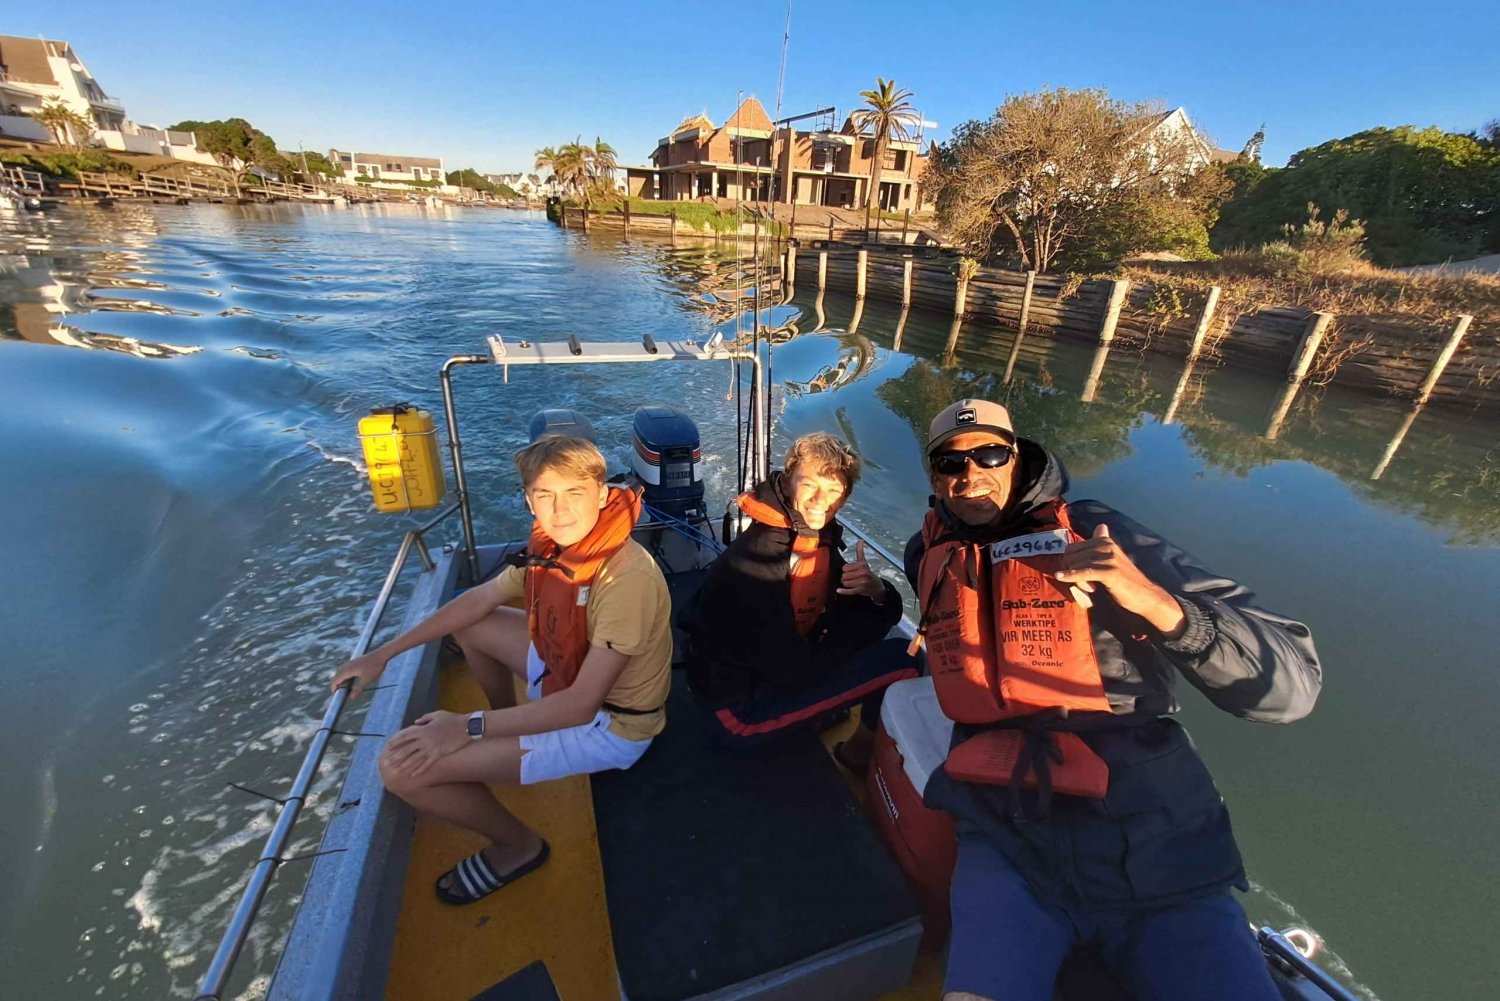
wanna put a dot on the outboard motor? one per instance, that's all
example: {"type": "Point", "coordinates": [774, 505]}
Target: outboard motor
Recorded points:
{"type": "Point", "coordinates": [558, 422]}
{"type": "Point", "coordinates": [665, 459]}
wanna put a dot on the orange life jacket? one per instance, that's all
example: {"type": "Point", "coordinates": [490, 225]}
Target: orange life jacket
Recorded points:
{"type": "Point", "coordinates": [1006, 642]}
{"type": "Point", "coordinates": [558, 582]}
{"type": "Point", "coordinates": [810, 570]}
{"type": "Point", "coordinates": [1004, 638]}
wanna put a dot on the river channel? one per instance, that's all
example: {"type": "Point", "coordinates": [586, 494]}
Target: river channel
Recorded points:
{"type": "Point", "coordinates": [192, 549]}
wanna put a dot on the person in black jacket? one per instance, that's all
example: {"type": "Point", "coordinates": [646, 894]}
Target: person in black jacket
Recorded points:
{"type": "Point", "coordinates": [784, 633]}
{"type": "Point", "coordinates": [1141, 876]}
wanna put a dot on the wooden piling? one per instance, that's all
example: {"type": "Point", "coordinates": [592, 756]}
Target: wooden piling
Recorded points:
{"type": "Point", "coordinates": [563, 215]}
{"type": "Point", "coordinates": [905, 227]}
{"type": "Point", "coordinates": [791, 263]}
{"type": "Point", "coordinates": [1302, 358]}
{"type": "Point", "coordinates": [906, 282]}
{"type": "Point", "coordinates": [861, 266]}
{"type": "Point", "coordinates": [1205, 322]}
{"type": "Point", "coordinates": [822, 270]}
{"type": "Point", "coordinates": [1117, 292]}
{"type": "Point", "coordinates": [859, 312]}
{"type": "Point", "coordinates": [961, 295]}
{"type": "Point", "coordinates": [627, 217]}
{"type": "Point", "coordinates": [1307, 348]}
{"type": "Point", "coordinates": [900, 328]}
{"type": "Point", "coordinates": [673, 214]}
{"type": "Point", "coordinates": [951, 347]}
{"type": "Point", "coordinates": [1395, 444]}
{"type": "Point", "coordinates": [830, 229]}
{"type": "Point", "coordinates": [1091, 384]}
{"type": "Point", "coordinates": [792, 233]}
{"type": "Point", "coordinates": [1015, 348]}
{"type": "Point", "coordinates": [1460, 328]}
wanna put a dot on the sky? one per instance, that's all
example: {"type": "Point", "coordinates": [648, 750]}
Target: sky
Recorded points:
{"type": "Point", "coordinates": [484, 85]}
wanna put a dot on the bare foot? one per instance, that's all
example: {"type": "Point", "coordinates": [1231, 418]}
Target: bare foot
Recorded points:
{"type": "Point", "coordinates": [508, 858]}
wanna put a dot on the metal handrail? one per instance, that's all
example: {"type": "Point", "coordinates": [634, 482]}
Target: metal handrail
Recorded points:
{"type": "Point", "coordinates": [1279, 947]}
{"type": "Point", "coordinates": [270, 856]}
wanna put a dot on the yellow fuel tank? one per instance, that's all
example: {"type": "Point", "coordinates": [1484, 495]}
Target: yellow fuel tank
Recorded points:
{"type": "Point", "coordinates": [401, 453]}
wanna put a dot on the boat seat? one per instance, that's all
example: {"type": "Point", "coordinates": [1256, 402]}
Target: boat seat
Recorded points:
{"type": "Point", "coordinates": [735, 875]}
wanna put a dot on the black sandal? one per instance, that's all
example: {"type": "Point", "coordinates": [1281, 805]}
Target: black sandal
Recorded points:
{"type": "Point", "coordinates": [474, 878]}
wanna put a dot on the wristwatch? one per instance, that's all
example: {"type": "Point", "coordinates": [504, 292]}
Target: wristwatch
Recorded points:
{"type": "Point", "coordinates": [475, 725]}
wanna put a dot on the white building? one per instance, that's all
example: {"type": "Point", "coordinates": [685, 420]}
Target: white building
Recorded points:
{"type": "Point", "coordinates": [1175, 125]}
{"type": "Point", "coordinates": [388, 170]}
{"type": "Point", "coordinates": [37, 71]}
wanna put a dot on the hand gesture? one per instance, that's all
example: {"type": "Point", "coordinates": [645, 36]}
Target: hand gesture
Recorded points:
{"type": "Point", "coordinates": [360, 670]}
{"type": "Point", "coordinates": [858, 578]}
{"type": "Point", "coordinates": [1100, 560]}
{"type": "Point", "coordinates": [433, 736]}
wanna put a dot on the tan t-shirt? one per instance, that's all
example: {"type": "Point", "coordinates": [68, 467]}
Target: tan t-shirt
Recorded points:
{"type": "Point", "coordinates": [630, 611]}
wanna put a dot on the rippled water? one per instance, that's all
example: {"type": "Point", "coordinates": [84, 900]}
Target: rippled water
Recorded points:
{"type": "Point", "coordinates": [193, 551]}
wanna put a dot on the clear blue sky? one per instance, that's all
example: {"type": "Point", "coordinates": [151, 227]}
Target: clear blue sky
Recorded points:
{"type": "Point", "coordinates": [484, 84]}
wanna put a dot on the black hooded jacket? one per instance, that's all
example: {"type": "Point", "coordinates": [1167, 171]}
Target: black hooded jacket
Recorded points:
{"type": "Point", "coordinates": [741, 632]}
{"type": "Point", "coordinates": [1162, 833]}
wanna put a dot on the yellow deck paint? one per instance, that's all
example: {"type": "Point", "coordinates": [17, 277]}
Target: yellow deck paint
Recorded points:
{"type": "Point", "coordinates": [556, 914]}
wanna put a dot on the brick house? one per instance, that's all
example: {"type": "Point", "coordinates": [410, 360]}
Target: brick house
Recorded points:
{"type": "Point", "coordinates": [750, 158]}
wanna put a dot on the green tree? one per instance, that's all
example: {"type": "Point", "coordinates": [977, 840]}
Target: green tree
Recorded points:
{"type": "Point", "coordinates": [317, 163]}
{"type": "Point", "coordinates": [68, 127]}
{"type": "Point", "coordinates": [887, 114]}
{"type": "Point", "coordinates": [1062, 176]}
{"type": "Point", "coordinates": [1424, 195]}
{"type": "Point", "coordinates": [586, 172]}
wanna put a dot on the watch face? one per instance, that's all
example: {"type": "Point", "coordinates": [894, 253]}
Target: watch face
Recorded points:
{"type": "Point", "coordinates": [476, 726]}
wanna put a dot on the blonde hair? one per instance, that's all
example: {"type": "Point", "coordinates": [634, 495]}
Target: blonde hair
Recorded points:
{"type": "Point", "coordinates": [576, 458]}
{"type": "Point", "coordinates": [824, 455]}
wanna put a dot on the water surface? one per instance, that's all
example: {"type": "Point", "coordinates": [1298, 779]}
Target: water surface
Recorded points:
{"type": "Point", "coordinates": [193, 551]}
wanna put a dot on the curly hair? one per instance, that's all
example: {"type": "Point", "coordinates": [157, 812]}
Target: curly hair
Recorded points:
{"type": "Point", "coordinates": [824, 455]}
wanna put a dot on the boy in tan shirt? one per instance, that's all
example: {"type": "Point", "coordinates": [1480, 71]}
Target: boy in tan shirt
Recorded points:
{"type": "Point", "coordinates": [593, 642]}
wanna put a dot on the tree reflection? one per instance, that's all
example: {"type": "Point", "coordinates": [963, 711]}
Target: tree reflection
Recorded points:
{"type": "Point", "coordinates": [1086, 436]}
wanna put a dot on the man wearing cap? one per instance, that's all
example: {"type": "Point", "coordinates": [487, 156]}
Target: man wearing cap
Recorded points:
{"type": "Point", "coordinates": [1055, 632]}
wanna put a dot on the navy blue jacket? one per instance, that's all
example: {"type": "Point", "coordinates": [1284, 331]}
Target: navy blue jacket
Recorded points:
{"type": "Point", "coordinates": [1162, 833]}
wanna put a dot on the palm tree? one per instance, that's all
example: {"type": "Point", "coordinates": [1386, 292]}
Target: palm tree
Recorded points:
{"type": "Point", "coordinates": [546, 160]}
{"type": "Point", "coordinates": [65, 124]}
{"type": "Point", "coordinates": [887, 113]}
{"type": "Point", "coordinates": [605, 161]}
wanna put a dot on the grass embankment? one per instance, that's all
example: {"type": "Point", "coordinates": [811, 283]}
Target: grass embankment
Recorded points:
{"type": "Point", "coordinates": [1345, 285]}
{"type": "Point", "coordinates": [59, 163]}
{"type": "Point", "coordinates": [693, 214]}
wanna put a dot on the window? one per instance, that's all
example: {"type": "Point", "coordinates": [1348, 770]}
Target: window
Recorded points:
{"type": "Point", "coordinates": [416, 173]}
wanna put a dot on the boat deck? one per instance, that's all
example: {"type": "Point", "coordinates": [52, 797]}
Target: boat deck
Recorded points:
{"type": "Point", "coordinates": [556, 915]}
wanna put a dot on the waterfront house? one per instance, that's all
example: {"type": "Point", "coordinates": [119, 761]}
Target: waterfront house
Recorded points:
{"type": "Point", "coordinates": [35, 72]}
{"type": "Point", "coordinates": [751, 158]}
{"type": "Point", "coordinates": [38, 71]}
{"type": "Point", "coordinates": [388, 170]}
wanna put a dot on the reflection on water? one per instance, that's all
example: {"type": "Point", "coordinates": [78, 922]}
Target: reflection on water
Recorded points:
{"type": "Point", "coordinates": [200, 548]}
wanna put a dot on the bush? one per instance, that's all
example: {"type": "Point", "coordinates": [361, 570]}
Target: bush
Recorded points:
{"type": "Point", "coordinates": [398, 180]}
{"type": "Point", "coordinates": [70, 164]}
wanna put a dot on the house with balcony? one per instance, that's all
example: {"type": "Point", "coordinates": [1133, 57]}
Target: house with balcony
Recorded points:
{"type": "Point", "coordinates": [37, 71]}
{"type": "Point", "coordinates": [751, 158]}
{"type": "Point", "coordinates": [388, 170]}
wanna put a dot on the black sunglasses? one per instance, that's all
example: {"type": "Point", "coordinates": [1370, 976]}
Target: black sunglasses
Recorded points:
{"type": "Point", "coordinates": [985, 457]}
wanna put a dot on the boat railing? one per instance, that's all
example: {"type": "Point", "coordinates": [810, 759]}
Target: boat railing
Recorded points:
{"type": "Point", "coordinates": [271, 855]}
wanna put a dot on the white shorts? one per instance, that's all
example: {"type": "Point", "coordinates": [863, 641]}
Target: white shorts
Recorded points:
{"type": "Point", "coordinates": [578, 750]}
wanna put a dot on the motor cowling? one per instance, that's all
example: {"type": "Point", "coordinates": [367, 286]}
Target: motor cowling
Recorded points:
{"type": "Point", "coordinates": [665, 459]}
